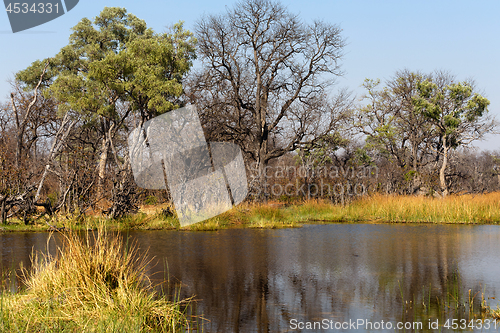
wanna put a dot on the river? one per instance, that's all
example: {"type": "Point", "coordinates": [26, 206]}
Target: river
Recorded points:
{"type": "Point", "coordinates": [328, 275]}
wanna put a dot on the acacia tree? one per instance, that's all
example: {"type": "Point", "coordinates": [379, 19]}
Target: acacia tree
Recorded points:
{"type": "Point", "coordinates": [115, 61]}
{"type": "Point", "coordinates": [457, 112]}
{"type": "Point", "coordinates": [264, 79]}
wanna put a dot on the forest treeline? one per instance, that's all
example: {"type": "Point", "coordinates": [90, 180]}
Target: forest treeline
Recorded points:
{"type": "Point", "coordinates": [265, 80]}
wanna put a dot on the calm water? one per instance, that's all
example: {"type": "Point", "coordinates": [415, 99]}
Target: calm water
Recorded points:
{"type": "Point", "coordinates": [278, 280]}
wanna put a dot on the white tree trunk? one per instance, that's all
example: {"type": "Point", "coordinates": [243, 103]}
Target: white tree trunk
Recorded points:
{"type": "Point", "coordinates": [442, 179]}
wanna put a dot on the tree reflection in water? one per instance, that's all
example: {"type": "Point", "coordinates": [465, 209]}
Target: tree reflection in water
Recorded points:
{"type": "Point", "coordinates": [249, 280]}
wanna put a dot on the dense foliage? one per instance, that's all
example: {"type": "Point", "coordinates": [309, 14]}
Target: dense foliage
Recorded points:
{"type": "Point", "coordinates": [265, 83]}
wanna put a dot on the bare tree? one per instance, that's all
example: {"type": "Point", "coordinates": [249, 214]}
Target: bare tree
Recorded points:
{"type": "Point", "coordinates": [27, 125]}
{"type": "Point", "coordinates": [22, 117]}
{"type": "Point", "coordinates": [265, 79]}
{"type": "Point", "coordinates": [57, 144]}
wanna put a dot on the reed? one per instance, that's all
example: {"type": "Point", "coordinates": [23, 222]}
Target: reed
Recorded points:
{"type": "Point", "coordinates": [447, 302]}
{"type": "Point", "coordinates": [92, 284]}
{"type": "Point", "coordinates": [484, 208]}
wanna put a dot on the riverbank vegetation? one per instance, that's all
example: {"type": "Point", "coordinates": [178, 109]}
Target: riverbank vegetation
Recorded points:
{"type": "Point", "coordinates": [93, 283]}
{"type": "Point", "coordinates": [480, 209]}
{"type": "Point", "coordinates": [64, 147]}
{"type": "Point", "coordinates": [460, 209]}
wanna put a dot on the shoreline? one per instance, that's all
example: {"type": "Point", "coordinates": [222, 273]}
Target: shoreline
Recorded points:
{"type": "Point", "coordinates": [454, 209]}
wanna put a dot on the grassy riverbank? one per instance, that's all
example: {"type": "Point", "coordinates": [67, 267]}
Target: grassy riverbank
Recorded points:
{"type": "Point", "coordinates": [90, 285]}
{"type": "Point", "coordinates": [480, 209]}
{"type": "Point", "coordinates": [477, 209]}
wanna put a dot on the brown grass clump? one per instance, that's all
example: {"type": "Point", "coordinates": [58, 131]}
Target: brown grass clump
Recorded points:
{"type": "Point", "coordinates": [92, 284]}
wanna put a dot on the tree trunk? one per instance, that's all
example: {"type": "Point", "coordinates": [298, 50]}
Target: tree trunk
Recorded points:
{"type": "Point", "coordinates": [262, 178]}
{"type": "Point", "coordinates": [56, 146]}
{"type": "Point", "coordinates": [262, 162]}
{"type": "Point", "coordinates": [19, 147]}
{"type": "Point", "coordinates": [416, 175]}
{"type": "Point", "coordinates": [3, 213]}
{"type": "Point", "coordinates": [442, 179]}
{"type": "Point", "coordinates": [102, 168]}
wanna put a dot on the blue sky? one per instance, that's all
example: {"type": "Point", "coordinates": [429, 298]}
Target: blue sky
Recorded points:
{"type": "Point", "coordinates": [383, 36]}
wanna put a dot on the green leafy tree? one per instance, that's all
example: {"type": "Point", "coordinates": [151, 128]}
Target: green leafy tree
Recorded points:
{"type": "Point", "coordinates": [457, 112]}
{"type": "Point", "coordinates": [114, 66]}
{"type": "Point", "coordinates": [394, 128]}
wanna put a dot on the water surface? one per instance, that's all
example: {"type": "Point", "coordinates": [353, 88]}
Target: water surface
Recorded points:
{"type": "Point", "coordinates": [248, 280]}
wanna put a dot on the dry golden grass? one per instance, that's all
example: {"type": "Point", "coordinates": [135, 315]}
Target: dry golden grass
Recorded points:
{"type": "Point", "coordinates": [484, 208]}
{"type": "Point", "coordinates": [92, 284]}
{"type": "Point", "coordinates": [468, 208]}
{"type": "Point", "coordinates": [495, 313]}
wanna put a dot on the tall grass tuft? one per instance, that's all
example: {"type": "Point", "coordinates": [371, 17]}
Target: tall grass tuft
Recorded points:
{"type": "Point", "coordinates": [92, 284]}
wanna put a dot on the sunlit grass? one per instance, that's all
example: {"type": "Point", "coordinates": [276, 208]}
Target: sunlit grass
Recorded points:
{"type": "Point", "coordinates": [256, 215]}
{"type": "Point", "coordinates": [481, 208]}
{"type": "Point", "coordinates": [92, 284]}
{"type": "Point", "coordinates": [495, 313]}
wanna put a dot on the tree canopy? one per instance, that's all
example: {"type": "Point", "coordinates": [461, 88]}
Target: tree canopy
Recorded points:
{"type": "Point", "coordinates": [417, 118]}
{"type": "Point", "coordinates": [116, 58]}
{"type": "Point", "coordinates": [265, 77]}
{"type": "Point", "coordinates": [457, 113]}
{"type": "Point", "coordinates": [265, 81]}
{"type": "Point", "coordinates": [113, 67]}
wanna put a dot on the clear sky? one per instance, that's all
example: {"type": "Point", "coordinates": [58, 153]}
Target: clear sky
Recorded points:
{"type": "Point", "coordinates": [383, 36]}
